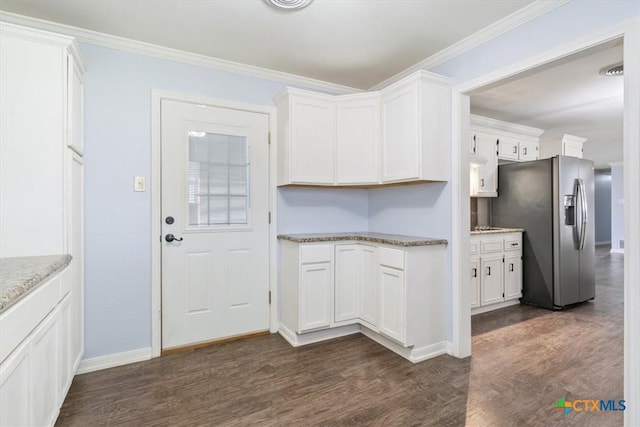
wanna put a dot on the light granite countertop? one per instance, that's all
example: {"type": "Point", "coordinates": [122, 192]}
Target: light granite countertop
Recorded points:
{"type": "Point", "coordinates": [494, 230]}
{"type": "Point", "coordinates": [366, 236]}
{"type": "Point", "coordinates": [20, 275]}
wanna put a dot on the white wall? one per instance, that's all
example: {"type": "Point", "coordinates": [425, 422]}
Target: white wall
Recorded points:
{"type": "Point", "coordinates": [617, 207]}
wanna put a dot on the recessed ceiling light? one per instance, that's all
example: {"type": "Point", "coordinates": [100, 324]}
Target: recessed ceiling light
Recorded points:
{"type": "Point", "coordinates": [289, 4]}
{"type": "Point", "coordinates": [613, 70]}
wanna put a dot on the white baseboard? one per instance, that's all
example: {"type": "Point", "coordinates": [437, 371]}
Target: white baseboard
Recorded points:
{"type": "Point", "coordinates": [617, 251]}
{"type": "Point", "coordinates": [496, 306]}
{"type": "Point", "coordinates": [312, 337]}
{"type": "Point", "coordinates": [112, 360]}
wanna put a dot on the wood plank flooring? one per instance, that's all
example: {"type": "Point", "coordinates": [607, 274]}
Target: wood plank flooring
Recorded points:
{"type": "Point", "coordinates": [523, 360]}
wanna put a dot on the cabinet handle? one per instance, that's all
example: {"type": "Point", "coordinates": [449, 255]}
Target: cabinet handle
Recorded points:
{"type": "Point", "coordinates": [488, 271]}
{"type": "Point", "coordinates": [524, 151]}
{"type": "Point", "coordinates": [511, 267]}
{"type": "Point", "coordinates": [515, 149]}
{"type": "Point", "coordinates": [482, 182]}
{"type": "Point", "coordinates": [474, 272]}
{"type": "Point", "coordinates": [514, 244]}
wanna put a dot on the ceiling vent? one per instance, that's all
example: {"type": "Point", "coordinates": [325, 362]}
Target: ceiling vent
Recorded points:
{"type": "Point", "coordinates": [289, 4]}
{"type": "Point", "coordinates": [613, 70]}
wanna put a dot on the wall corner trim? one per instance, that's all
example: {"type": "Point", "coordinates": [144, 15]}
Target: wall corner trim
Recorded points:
{"type": "Point", "coordinates": [113, 360]}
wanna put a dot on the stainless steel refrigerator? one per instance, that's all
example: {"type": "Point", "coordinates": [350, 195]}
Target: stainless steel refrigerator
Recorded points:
{"type": "Point", "coordinates": [552, 199]}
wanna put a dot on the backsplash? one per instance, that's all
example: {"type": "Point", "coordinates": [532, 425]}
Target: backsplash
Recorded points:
{"type": "Point", "coordinates": [480, 211]}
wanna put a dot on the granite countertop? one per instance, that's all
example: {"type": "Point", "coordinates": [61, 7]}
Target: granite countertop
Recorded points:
{"type": "Point", "coordinates": [366, 236]}
{"type": "Point", "coordinates": [494, 230]}
{"type": "Point", "coordinates": [19, 275]}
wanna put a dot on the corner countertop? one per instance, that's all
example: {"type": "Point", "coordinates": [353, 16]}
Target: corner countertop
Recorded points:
{"type": "Point", "coordinates": [495, 230]}
{"type": "Point", "coordinates": [20, 275]}
{"type": "Point", "coordinates": [366, 236]}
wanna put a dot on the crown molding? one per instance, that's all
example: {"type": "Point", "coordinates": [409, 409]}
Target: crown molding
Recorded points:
{"type": "Point", "coordinates": [514, 128]}
{"type": "Point", "coordinates": [156, 51]}
{"type": "Point", "coordinates": [519, 17]}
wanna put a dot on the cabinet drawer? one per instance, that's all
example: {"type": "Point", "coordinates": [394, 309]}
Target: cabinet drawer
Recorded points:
{"type": "Point", "coordinates": [393, 258]}
{"type": "Point", "coordinates": [512, 244]}
{"type": "Point", "coordinates": [489, 246]}
{"type": "Point", "coordinates": [315, 253]}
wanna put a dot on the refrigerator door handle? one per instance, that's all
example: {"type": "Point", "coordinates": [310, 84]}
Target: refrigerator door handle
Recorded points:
{"type": "Point", "coordinates": [577, 232]}
{"type": "Point", "coordinates": [584, 209]}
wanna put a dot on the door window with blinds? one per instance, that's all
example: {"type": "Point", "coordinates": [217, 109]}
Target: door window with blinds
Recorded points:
{"type": "Point", "coordinates": [218, 180]}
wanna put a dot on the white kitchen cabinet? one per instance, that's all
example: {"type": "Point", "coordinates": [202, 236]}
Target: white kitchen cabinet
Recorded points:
{"type": "Point", "coordinates": [38, 123]}
{"type": "Point", "coordinates": [492, 284]}
{"type": "Point", "coordinates": [512, 276]}
{"type": "Point", "coordinates": [527, 151]}
{"type": "Point", "coordinates": [307, 126]}
{"type": "Point", "coordinates": [475, 282]}
{"type": "Point", "coordinates": [392, 303]}
{"type": "Point", "coordinates": [507, 148]}
{"type": "Point", "coordinates": [561, 145]}
{"type": "Point", "coordinates": [496, 270]}
{"type": "Point", "coordinates": [347, 285]}
{"type": "Point", "coordinates": [45, 355]}
{"type": "Point", "coordinates": [15, 388]}
{"type": "Point", "coordinates": [415, 129]}
{"type": "Point", "coordinates": [358, 139]}
{"type": "Point", "coordinates": [484, 178]}
{"type": "Point", "coordinates": [395, 296]}
{"type": "Point", "coordinates": [369, 300]}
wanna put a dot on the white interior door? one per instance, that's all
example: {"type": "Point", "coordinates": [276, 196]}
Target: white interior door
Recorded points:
{"type": "Point", "coordinates": [215, 207]}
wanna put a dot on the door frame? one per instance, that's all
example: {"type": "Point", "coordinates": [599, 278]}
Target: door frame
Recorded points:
{"type": "Point", "coordinates": [461, 312]}
{"type": "Point", "coordinates": [156, 194]}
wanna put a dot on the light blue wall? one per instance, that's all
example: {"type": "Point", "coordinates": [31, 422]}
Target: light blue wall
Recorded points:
{"type": "Point", "coordinates": [617, 206]}
{"type": "Point", "coordinates": [117, 137]}
{"type": "Point", "coordinates": [118, 221]}
{"type": "Point", "coordinates": [602, 209]}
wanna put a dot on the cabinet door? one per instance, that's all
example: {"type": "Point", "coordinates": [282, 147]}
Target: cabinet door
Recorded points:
{"type": "Point", "coordinates": [76, 249]}
{"type": "Point", "coordinates": [487, 175]}
{"type": "Point", "coordinates": [392, 306]}
{"type": "Point", "coordinates": [66, 362]}
{"type": "Point", "coordinates": [572, 148]}
{"type": "Point", "coordinates": [315, 296]}
{"type": "Point", "coordinates": [475, 283]}
{"type": "Point", "coordinates": [400, 134]}
{"type": "Point", "coordinates": [491, 281]}
{"type": "Point", "coordinates": [528, 151]}
{"type": "Point", "coordinates": [74, 106]}
{"type": "Point", "coordinates": [15, 388]}
{"type": "Point", "coordinates": [347, 283]}
{"type": "Point", "coordinates": [512, 277]}
{"type": "Point", "coordinates": [368, 285]}
{"type": "Point", "coordinates": [45, 352]}
{"type": "Point", "coordinates": [358, 141]}
{"type": "Point", "coordinates": [312, 142]}
{"type": "Point", "coordinates": [507, 148]}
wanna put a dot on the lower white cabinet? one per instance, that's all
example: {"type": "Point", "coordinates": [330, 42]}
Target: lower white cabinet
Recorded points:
{"type": "Point", "coordinates": [496, 271]}
{"type": "Point", "coordinates": [36, 374]}
{"type": "Point", "coordinates": [395, 296]}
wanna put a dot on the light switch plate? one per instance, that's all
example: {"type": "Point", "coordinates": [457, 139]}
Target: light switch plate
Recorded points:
{"type": "Point", "coordinates": [138, 183]}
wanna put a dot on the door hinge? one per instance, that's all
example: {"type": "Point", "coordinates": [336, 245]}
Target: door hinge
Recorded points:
{"type": "Point", "coordinates": [502, 258]}
{"type": "Point", "coordinates": [269, 297]}
{"type": "Point", "coordinates": [269, 217]}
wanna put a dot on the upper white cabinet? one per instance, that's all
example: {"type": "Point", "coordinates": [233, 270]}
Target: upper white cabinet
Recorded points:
{"type": "Point", "coordinates": [372, 138]}
{"type": "Point", "coordinates": [565, 145]}
{"type": "Point", "coordinates": [41, 114]}
{"type": "Point", "coordinates": [358, 139]}
{"type": "Point", "coordinates": [416, 129]}
{"type": "Point", "coordinates": [306, 122]}
{"type": "Point", "coordinates": [498, 141]}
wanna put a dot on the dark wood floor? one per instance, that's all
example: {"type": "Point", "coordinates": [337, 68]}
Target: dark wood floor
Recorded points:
{"type": "Point", "coordinates": [523, 360]}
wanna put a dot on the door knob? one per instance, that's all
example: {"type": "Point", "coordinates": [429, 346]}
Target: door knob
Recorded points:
{"type": "Point", "coordinates": [170, 238]}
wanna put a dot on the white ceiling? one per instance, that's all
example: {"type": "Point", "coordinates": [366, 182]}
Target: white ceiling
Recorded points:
{"type": "Point", "coordinates": [356, 43]}
{"type": "Point", "coordinates": [566, 96]}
